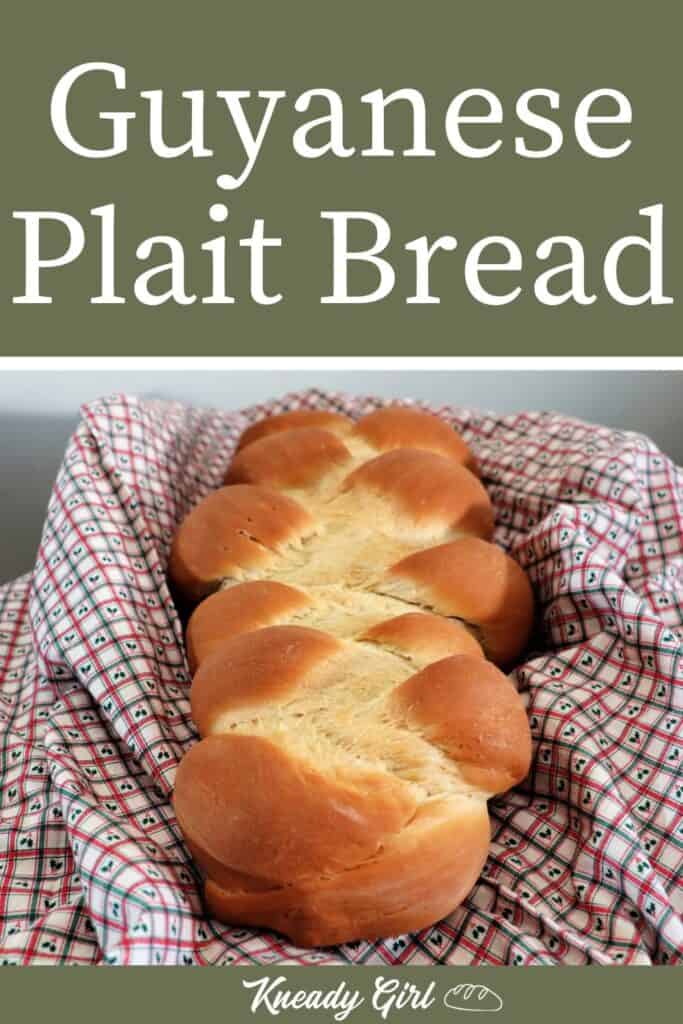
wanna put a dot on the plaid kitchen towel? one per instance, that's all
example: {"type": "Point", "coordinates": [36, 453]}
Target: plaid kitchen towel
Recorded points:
{"type": "Point", "coordinates": [94, 713]}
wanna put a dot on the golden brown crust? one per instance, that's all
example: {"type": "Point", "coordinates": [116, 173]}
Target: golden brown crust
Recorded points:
{"type": "Point", "coordinates": [399, 426]}
{"type": "Point", "coordinates": [233, 529]}
{"type": "Point", "coordinates": [421, 874]}
{"type": "Point", "coordinates": [239, 609]}
{"type": "Point", "coordinates": [266, 814]}
{"type": "Point", "coordinates": [476, 582]}
{"type": "Point", "coordinates": [430, 637]}
{"type": "Point", "coordinates": [294, 459]}
{"type": "Point", "coordinates": [339, 791]}
{"type": "Point", "coordinates": [428, 488]}
{"type": "Point", "coordinates": [256, 668]}
{"type": "Point", "coordinates": [468, 708]}
{"type": "Point", "coordinates": [332, 421]}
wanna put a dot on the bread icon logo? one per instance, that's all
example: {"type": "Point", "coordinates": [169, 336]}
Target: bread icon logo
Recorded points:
{"type": "Point", "coordinates": [473, 999]}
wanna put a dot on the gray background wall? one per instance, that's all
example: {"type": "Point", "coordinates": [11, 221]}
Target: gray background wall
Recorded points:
{"type": "Point", "coordinates": [38, 410]}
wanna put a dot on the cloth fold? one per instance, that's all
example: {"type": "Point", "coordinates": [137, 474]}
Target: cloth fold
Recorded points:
{"type": "Point", "coordinates": [586, 854]}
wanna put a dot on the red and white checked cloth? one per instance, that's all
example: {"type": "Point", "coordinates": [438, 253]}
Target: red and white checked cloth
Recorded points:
{"type": "Point", "coordinates": [94, 713]}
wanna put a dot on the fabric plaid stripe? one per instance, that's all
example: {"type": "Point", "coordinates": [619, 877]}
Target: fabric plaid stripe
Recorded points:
{"type": "Point", "coordinates": [94, 714]}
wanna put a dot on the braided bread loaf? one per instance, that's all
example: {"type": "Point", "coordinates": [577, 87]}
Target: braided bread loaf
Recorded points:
{"type": "Point", "coordinates": [352, 727]}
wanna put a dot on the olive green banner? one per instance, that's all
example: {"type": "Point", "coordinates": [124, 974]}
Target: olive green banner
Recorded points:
{"type": "Point", "coordinates": [483, 178]}
{"type": "Point", "coordinates": [327, 995]}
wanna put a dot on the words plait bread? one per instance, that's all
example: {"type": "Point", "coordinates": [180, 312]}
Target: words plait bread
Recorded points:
{"type": "Point", "coordinates": [352, 716]}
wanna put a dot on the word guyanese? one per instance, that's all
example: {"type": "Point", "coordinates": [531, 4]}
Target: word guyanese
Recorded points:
{"type": "Point", "coordinates": [240, 123]}
{"type": "Point", "coordinates": [249, 117]}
